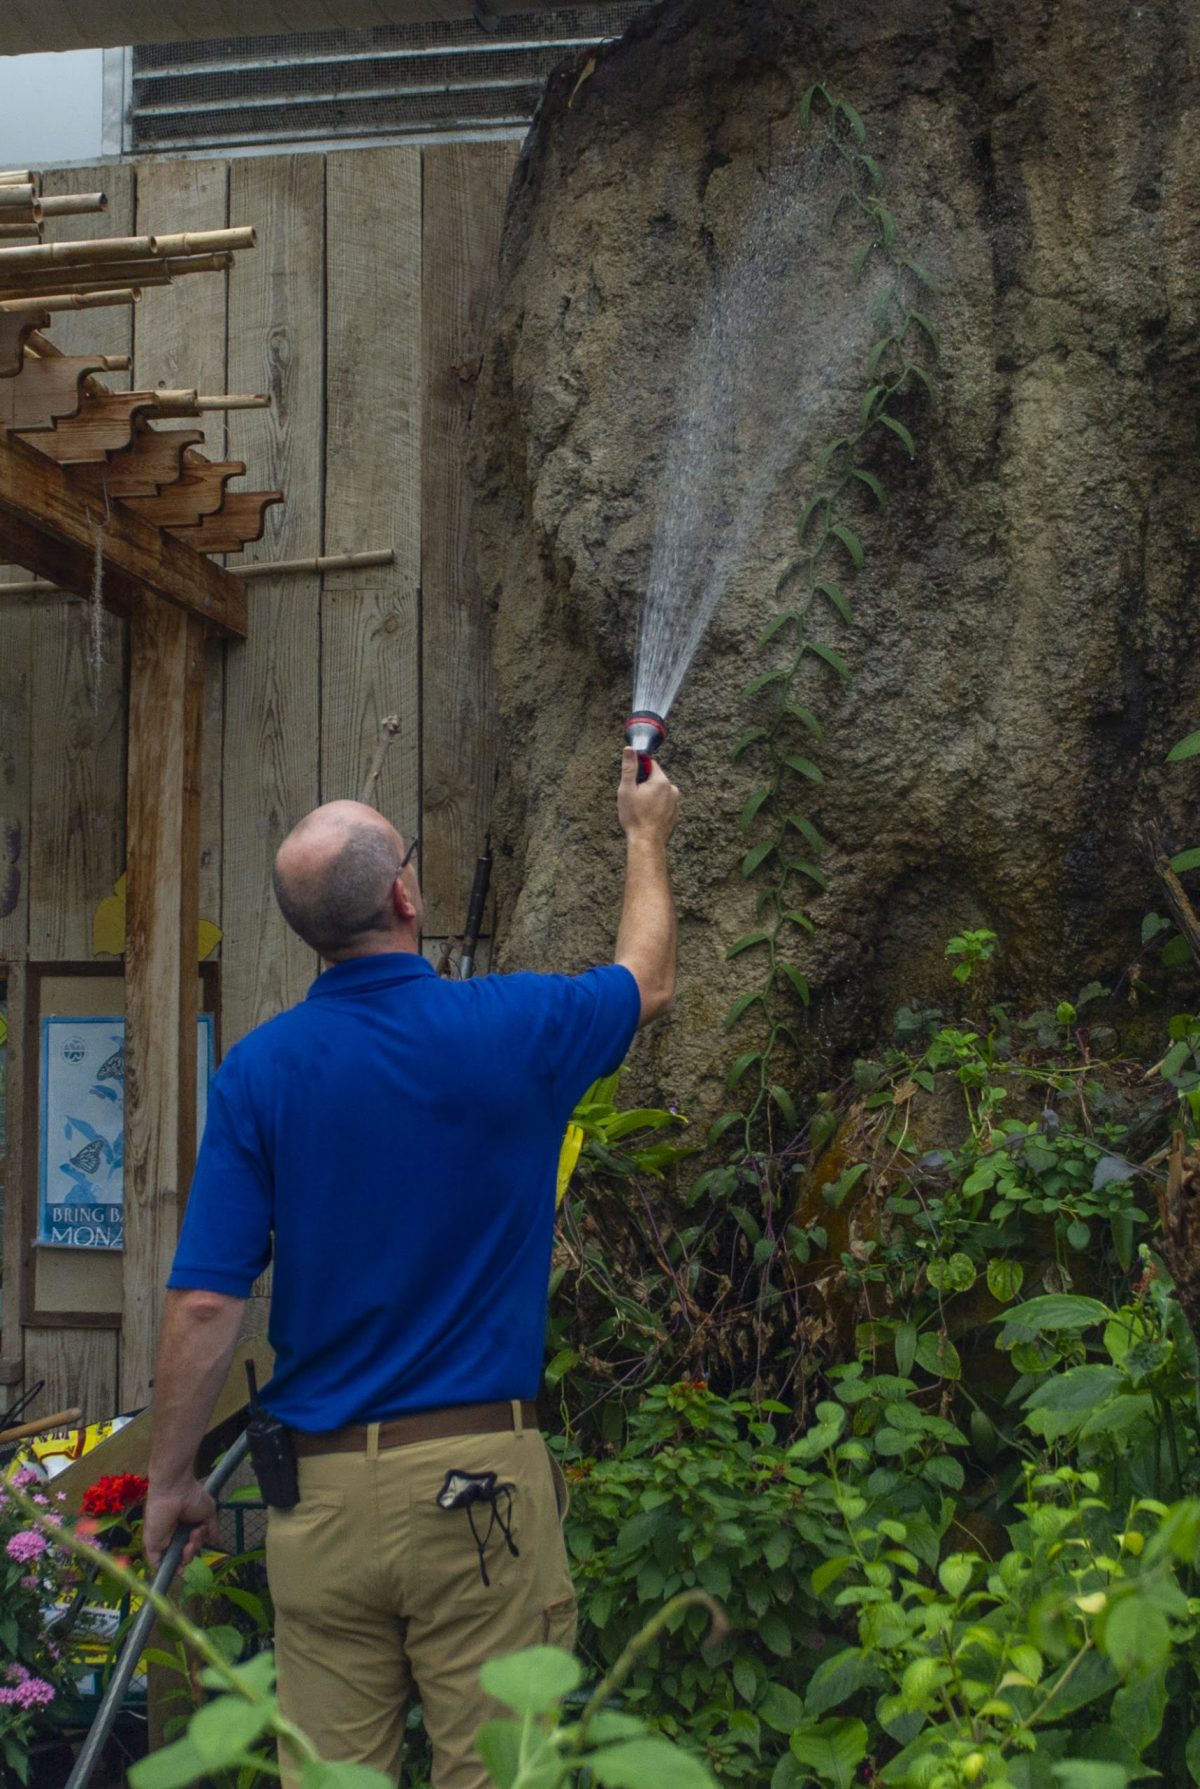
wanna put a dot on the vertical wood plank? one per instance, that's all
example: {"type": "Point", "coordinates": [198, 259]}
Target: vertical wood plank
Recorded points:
{"type": "Point", "coordinates": [463, 193]}
{"type": "Point", "coordinates": [77, 789]}
{"type": "Point", "coordinates": [272, 713]}
{"type": "Point", "coordinates": [17, 1166]}
{"type": "Point", "coordinates": [370, 625]}
{"type": "Point", "coordinates": [179, 340]}
{"type": "Point", "coordinates": [16, 633]}
{"type": "Point", "coordinates": [166, 684]}
{"type": "Point", "coordinates": [79, 1366]}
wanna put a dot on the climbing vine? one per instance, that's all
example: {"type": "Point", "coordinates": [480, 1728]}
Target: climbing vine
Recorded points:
{"type": "Point", "coordinates": [782, 846]}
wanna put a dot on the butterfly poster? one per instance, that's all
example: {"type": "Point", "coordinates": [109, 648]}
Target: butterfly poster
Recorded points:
{"type": "Point", "coordinates": [81, 1169]}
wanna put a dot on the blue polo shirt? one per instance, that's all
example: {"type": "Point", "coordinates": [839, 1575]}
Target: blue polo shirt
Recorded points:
{"type": "Point", "coordinates": [393, 1143]}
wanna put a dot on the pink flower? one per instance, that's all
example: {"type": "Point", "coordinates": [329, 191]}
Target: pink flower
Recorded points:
{"type": "Point", "coordinates": [34, 1693]}
{"type": "Point", "coordinates": [18, 1673]}
{"type": "Point", "coordinates": [30, 1583]}
{"type": "Point", "coordinates": [42, 1502]}
{"type": "Point", "coordinates": [24, 1475]}
{"type": "Point", "coordinates": [25, 1546]}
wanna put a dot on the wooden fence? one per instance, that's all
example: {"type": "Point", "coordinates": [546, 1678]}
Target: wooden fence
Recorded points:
{"type": "Point", "coordinates": [362, 313]}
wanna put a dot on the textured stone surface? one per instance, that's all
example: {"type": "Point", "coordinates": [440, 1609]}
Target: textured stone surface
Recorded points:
{"type": "Point", "coordinates": [1024, 648]}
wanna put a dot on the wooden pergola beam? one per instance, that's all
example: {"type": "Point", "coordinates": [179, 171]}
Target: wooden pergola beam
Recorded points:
{"type": "Point", "coordinates": [48, 521]}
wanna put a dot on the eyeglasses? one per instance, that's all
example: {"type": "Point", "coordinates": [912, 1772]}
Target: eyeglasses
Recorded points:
{"type": "Point", "coordinates": [408, 855]}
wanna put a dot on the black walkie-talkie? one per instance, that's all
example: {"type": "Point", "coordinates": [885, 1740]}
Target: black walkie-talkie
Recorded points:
{"type": "Point", "coordinates": [271, 1452]}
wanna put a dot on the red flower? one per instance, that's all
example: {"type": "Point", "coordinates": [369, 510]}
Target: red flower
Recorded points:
{"type": "Point", "coordinates": [115, 1493]}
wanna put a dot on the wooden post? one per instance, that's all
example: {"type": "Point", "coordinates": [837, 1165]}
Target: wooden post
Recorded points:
{"type": "Point", "coordinates": [166, 684]}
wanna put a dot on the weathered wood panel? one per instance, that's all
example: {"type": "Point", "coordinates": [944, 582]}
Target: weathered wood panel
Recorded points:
{"type": "Point", "coordinates": [79, 1366]}
{"type": "Point", "coordinates": [16, 629]}
{"type": "Point", "coordinates": [272, 710]}
{"type": "Point", "coordinates": [16, 1241]}
{"type": "Point", "coordinates": [370, 621]}
{"type": "Point", "coordinates": [463, 187]}
{"type": "Point", "coordinates": [179, 340]}
{"type": "Point", "coordinates": [77, 792]}
{"type": "Point", "coordinates": [166, 690]}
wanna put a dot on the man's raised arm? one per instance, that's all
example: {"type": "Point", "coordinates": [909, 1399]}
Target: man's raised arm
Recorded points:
{"type": "Point", "coordinates": [646, 937]}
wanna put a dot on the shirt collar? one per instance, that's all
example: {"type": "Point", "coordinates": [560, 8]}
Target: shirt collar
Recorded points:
{"type": "Point", "coordinates": [362, 975]}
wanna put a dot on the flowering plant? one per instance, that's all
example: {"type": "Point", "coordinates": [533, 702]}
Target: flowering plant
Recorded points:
{"type": "Point", "coordinates": [35, 1573]}
{"type": "Point", "coordinates": [115, 1494]}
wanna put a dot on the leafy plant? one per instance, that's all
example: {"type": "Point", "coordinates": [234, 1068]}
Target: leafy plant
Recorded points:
{"type": "Point", "coordinates": [973, 949]}
{"type": "Point", "coordinates": [543, 1750]}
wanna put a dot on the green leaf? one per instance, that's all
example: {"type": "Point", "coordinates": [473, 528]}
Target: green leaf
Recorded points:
{"type": "Point", "coordinates": [923, 322]}
{"type": "Point", "coordinates": [756, 855]}
{"type": "Point", "coordinates": [747, 739]}
{"type": "Point", "coordinates": [955, 1573]}
{"type": "Point", "coordinates": [1058, 1311]}
{"type": "Point", "coordinates": [833, 1748]}
{"type": "Point", "coordinates": [806, 106]}
{"type": "Point", "coordinates": [761, 682]}
{"type": "Point", "coordinates": [905, 1343]}
{"type": "Point", "coordinates": [1135, 1635]}
{"type": "Point", "coordinates": [750, 811]}
{"type": "Point", "coordinates": [173, 1767]}
{"type": "Point", "coordinates": [746, 942]}
{"type": "Point", "coordinates": [740, 1066]}
{"type": "Point", "coordinates": [318, 1775]}
{"type": "Point", "coordinates": [853, 120]}
{"type": "Point", "coordinates": [938, 1355]}
{"type": "Point", "coordinates": [809, 832]}
{"type": "Point", "coordinates": [739, 1006]}
{"type": "Point", "coordinates": [533, 1681]}
{"type": "Point", "coordinates": [799, 985]}
{"type": "Point", "coordinates": [781, 1708]}
{"type": "Point", "coordinates": [784, 1101]}
{"type": "Point", "coordinates": [499, 1745]}
{"type": "Point", "coordinates": [872, 483]}
{"type": "Point", "coordinates": [839, 601]}
{"type": "Point", "coordinates": [649, 1763]}
{"type": "Point", "coordinates": [807, 513]}
{"type": "Point", "coordinates": [862, 257]}
{"type": "Point", "coordinates": [926, 279]}
{"type": "Point", "coordinates": [1192, 1754]}
{"type": "Point", "coordinates": [1186, 860]}
{"type": "Point", "coordinates": [1138, 1709]}
{"type": "Point", "coordinates": [957, 1274]}
{"type": "Point", "coordinates": [1089, 1773]}
{"type": "Point", "coordinates": [833, 659]}
{"type": "Point", "coordinates": [806, 718]}
{"type": "Point", "coordinates": [868, 403]}
{"type": "Point", "coordinates": [810, 870]}
{"type": "Point", "coordinates": [898, 429]}
{"type": "Point", "coordinates": [1005, 1279]}
{"type": "Point", "coordinates": [804, 767]}
{"type": "Point", "coordinates": [850, 541]}
{"type": "Point", "coordinates": [1176, 951]}
{"type": "Point", "coordinates": [828, 451]}
{"type": "Point", "coordinates": [1186, 748]}
{"type": "Point", "coordinates": [773, 627]}
{"type": "Point", "coordinates": [563, 1361]}
{"type": "Point", "coordinates": [830, 1570]}
{"type": "Point", "coordinates": [222, 1730]}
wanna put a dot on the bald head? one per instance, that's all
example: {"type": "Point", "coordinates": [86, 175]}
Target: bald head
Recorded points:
{"type": "Point", "coordinates": [335, 877]}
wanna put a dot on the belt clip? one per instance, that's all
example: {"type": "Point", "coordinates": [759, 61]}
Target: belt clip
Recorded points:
{"type": "Point", "coordinates": [518, 1419]}
{"type": "Point", "coordinates": [372, 1441]}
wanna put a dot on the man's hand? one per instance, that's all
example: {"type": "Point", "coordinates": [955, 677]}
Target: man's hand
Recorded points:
{"type": "Point", "coordinates": [648, 808]}
{"type": "Point", "coordinates": [167, 1507]}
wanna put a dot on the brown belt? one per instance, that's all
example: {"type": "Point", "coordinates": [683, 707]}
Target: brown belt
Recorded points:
{"type": "Point", "coordinates": [423, 1425]}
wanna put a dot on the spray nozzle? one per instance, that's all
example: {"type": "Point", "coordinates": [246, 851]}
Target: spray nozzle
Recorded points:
{"type": "Point", "coordinates": [645, 732]}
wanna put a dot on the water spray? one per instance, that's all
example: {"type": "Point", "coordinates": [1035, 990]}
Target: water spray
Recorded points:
{"type": "Point", "coordinates": [645, 732]}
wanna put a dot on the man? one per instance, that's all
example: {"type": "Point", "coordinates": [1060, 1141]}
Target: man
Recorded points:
{"type": "Point", "coordinates": [392, 1142]}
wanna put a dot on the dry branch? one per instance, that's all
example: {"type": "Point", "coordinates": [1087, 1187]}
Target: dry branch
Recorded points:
{"type": "Point", "coordinates": [73, 204]}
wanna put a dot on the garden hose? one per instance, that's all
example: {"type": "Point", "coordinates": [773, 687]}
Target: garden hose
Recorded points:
{"type": "Point", "coordinates": [139, 1630]}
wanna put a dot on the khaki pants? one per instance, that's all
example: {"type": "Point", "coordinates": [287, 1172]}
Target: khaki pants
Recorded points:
{"type": "Point", "coordinates": [378, 1594]}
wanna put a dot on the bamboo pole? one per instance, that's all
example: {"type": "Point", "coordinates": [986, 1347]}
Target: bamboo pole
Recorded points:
{"type": "Point", "coordinates": [42, 345]}
{"type": "Point", "coordinates": [262, 568]}
{"type": "Point", "coordinates": [31, 289]}
{"type": "Point", "coordinates": [20, 198]}
{"type": "Point", "coordinates": [125, 248]}
{"type": "Point", "coordinates": [72, 204]}
{"type": "Point", "coordinates": [26, 232]}
{"type": "Point", "coordinates": [73, 301]}
{"type": "Point", "coordinates": [257, 400]}
{"type": "Point", "coordinates": [16, 177]}
{"type": "Point", "coordinates": [115, 272]}
{"type": "Point", "coordinates": [197, 242]}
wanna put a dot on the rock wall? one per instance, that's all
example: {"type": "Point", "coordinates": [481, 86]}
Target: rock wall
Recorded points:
{"type": "Point", "coordinates": [1024, 646]}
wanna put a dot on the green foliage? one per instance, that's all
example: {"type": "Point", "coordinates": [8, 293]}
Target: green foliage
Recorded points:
{"type": "Point", "coordinates": [974, 949]}
{"type": "Point", "coordinates": [35, 1666]}
{"type": "Point", "coordinates": [544, 1750]}
{"type": "Point", "coordinates": [783, 847]}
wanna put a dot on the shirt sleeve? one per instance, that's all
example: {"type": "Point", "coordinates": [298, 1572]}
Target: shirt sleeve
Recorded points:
{"type": "Point", "coordinates": [225, 1241]}
{"type": "Point", "coordinates": [596, 1019]}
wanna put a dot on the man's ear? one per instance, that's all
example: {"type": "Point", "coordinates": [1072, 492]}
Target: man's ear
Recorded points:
{"type": "Point", "coordinates": [402, 900]}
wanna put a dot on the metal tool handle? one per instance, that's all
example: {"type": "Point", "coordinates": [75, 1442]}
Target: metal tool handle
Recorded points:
{"type": "Point", "coordinates": [143, 1621]}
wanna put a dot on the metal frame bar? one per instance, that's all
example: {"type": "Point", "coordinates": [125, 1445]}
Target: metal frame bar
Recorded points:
{"type": "Point", "coordinates": [278, 102]}
{"type": "Point", "coordinates": [483, 46]}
